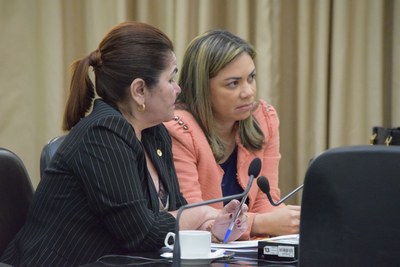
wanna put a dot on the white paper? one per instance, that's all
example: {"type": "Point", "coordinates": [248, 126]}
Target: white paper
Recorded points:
{"type": "Point", "coordinates": [238, 246]}
{"type": "Point", "coordinates": [252, 245]}
{"type": "Point", "coordinates": [287, 239]}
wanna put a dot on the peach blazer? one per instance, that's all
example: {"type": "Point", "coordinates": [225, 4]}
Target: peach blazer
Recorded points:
{"type": "Point", "coordinates": [200, 176]}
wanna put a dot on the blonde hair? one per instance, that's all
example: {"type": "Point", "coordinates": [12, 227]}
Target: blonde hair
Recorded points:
{"type": "Point", "coordinates": [205, 56]}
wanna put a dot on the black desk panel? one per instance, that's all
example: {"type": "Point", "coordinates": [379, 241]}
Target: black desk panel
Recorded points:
{"type": "Point", "coordinates": [152, 259]}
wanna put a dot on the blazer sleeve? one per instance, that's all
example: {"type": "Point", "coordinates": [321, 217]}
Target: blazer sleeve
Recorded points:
{"type": "Point", "coordinates": [267, 118]}
{"type": "Point", "coordinates": [109, 163]}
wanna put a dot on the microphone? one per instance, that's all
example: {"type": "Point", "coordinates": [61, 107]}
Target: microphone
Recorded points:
{"type": "Point", "coordinates": [255, 165]}
{"type": "Point", "coordinates": [263, 184]}
{"type": "Point", "coordinates": [254, 170]}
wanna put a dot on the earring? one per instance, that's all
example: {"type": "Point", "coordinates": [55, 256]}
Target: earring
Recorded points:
{"type": "Point", "coordinates": [141, 107]}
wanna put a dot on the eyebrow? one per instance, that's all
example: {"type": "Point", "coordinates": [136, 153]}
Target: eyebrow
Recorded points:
{"type": "Point", "coordinates": [175, 71]}
{"type": "Point", "coordinates": [238, 78]}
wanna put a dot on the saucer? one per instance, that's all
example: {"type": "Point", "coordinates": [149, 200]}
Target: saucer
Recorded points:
{"type": "Point", "coordinates": [197, 261]}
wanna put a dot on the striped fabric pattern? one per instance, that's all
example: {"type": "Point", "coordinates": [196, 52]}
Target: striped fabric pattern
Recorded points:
{"type": "Point", "coordinates": [97, 196]}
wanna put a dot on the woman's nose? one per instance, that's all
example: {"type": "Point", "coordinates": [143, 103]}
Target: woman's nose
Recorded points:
{"type": "Point", "coordinates": [178, 89]}
{"type": "Point", "coordinates": [247, 90]}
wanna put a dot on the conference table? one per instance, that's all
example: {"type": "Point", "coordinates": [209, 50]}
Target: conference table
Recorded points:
{"type": "Point", "coordinates": [154, 259]}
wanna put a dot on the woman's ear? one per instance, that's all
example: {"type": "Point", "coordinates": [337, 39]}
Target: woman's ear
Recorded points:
{"type": "Point", "coordinates": [137, 91]}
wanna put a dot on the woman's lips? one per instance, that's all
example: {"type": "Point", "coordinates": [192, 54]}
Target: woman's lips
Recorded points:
{"type": "Point", "coordinates": [246, 107]}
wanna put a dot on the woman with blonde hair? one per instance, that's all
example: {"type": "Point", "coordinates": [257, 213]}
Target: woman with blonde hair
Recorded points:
{"type": "Point", "coordinates": [220, 127]}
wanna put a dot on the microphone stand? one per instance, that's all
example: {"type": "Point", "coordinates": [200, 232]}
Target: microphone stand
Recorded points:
{"type": "Point", "coordinates": [254, 170]}
{"type": "Point", "coordinates": [176, 261]}
{"type": "Point", "coordinates": [263, 184]}
{"type": "Point", "coordinates": [287, 196]}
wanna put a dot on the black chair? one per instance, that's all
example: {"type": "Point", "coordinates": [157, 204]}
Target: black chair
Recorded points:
{"type": "Point", "coordinates": [350, 213]}
{"type": "Point", "coordinates": [48, 152]}
{"type": "Point", "coordinates": [16, 193]}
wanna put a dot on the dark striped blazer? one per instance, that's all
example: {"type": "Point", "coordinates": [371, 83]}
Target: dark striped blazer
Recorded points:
{"type": "Point", "coordinates": [97, 196]}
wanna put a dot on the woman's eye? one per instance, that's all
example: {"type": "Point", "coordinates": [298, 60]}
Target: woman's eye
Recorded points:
{"type": "Point", "coordinates": [233, 84]}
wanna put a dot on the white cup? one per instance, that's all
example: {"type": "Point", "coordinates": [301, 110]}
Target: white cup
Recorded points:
{"type": "Point", "coordinates": [195, 244]}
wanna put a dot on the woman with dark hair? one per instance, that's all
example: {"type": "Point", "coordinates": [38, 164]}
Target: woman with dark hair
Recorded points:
{"type": "Point", "coordinates": [220, 127]}
{"type": "Point", "coordinates": [111, 187]}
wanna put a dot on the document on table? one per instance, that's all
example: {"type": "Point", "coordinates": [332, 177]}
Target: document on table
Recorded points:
{"type": "Point", "coordinates": [252, 245]}
{"type": "Point", "coordinates": [285, 239]}
{"type": "Point", "coordinates": [238, 246]}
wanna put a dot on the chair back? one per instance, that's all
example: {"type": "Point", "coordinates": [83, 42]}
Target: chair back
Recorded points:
{"type": "Point", "coordinates": [350, 215]}
{"type": "Point", "coordinates": [48, 152]}
{"type": "Point", "coordinates": [16, 193]}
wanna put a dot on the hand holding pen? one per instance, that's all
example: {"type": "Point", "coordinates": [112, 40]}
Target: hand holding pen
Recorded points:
{"type": "Point", "coordinates": [241, 208]}
{"type": "Point", "coordinates": [235, 219]}
{"type": "Point", "coordinates": [227, 219]}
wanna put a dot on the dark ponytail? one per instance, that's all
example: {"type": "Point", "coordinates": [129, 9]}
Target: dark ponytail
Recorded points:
{"type": "Point", "coordinates": [81, 94]}
{"type": "Point", "coordinates": [130, 50]}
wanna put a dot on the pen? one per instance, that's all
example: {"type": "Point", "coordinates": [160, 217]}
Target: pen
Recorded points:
{"type": "Point", "coordinates": [254, 170]}
{"type": "Point", "coordinates": [232, 224]}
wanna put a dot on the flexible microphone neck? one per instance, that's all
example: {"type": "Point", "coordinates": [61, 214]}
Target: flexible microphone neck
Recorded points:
{"type": "Point", "coordinates": [254, 170]}
{"type": "Point", "coordinates": [263, 184]}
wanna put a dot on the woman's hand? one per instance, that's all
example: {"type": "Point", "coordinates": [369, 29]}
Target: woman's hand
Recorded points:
{"type": "Point", "coordinates": [281, 221]}
{"type": "Point", "coordinates": [225, 217]}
